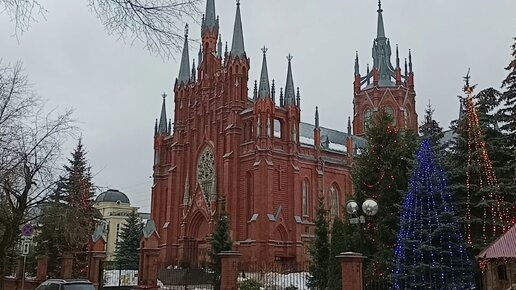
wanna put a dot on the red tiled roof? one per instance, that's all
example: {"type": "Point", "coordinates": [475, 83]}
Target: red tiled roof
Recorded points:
{"type": "Point", "coordinates": [503, 247]}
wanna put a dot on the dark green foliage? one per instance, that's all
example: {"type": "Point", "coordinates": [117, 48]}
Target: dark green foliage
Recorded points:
{"type": "Point", "coordinates": [250, 284]}
{"type": "Point", "coordinates": [221, 242]}
{"type": "Point", "coordinates": [68, 218]}
{"type": "Point", "coordinates": [320, 251]}
{"type": "Point", "coordinates": [127, 255]}
{"type": "Point", "coordinates": [382, 172]}
{"type": "Point", "coordinates": [338, 244]}
{"type": "Point", "coordinates": [431, 130]}
{"type": "Point", "coordinates": [431, 252]}
{"type": "Point", "coordinates": [508, 115]}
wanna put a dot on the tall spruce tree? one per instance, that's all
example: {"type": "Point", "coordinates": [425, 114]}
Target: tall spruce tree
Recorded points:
{"type": "Point", "coordinates": [127, 254]}
{"type": "Point", "coordinates": [221, 242]}
{"type": "Point", "coordinates": [508, 116]}
{"type": "Point", "coordinates": [431, 130]}
{"type": "Point", "coordinates": [320, 251]}
{"type": "Point", "coordinates": [431, 252]}
{"type": "Point", "coordinates": [68, 219]}
{"type": "Point", "coordinates": [381, 172]}
{"type": "Point", "coordinates": [338, 244]}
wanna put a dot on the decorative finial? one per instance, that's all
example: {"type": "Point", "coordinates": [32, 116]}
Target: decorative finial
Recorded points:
{"type": "Point", "coordinates": [380, 6]}
{"type": "Point", "coordinates": [164, 95]}
{"type": "Point", "coordinates": [273, 91]}
{"type": "Point", "coordinates": [238, 2]}
{"type": "Point", "coordinates": [410, 60]}
{"type": "Point", "coordinates": [289, 57]}
{"type": "Point", "coordinates": [397, 57]}
{"type": "Point", "coordinates": [264, 50]}
{"type": "Point", "coordinates": [186, 30]}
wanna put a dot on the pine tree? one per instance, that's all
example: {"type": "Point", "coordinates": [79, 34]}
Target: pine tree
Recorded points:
{"type": "Point", "coordinates": [431, 252]}
{"type": "Point", "coordinates": [320, 251]}
{"type": "Point", "coordinates": [431, 130]}
{"type": "Point", "coordinates": [508, 116]}
{"type": "Point", "coordinates": [381, 172]}
{"type": "Point", "coordinates": [338, 244]}
{"type": "Point", "coordinates": [68, 219]}
{"type": "Point", "coordinates": [127, 247]}
{"type": "Point", "coordinates": [221, 242]}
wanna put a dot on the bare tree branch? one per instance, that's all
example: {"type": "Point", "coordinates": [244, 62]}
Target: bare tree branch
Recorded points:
{"type": "Point", "coordinates": [22, 13]}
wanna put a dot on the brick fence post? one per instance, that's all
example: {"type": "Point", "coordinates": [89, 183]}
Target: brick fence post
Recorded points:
{"type": "Point", "coordinates": [42, 268]}
{"type": "Point", "coordinates": [352, 265]}
{"type": "Point", "coordinates": [229, 272]}
{"type": "Point", "coordinates": [66, 266]}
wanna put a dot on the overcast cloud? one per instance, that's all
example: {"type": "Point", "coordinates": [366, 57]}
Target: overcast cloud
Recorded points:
{"type": "Point", "coordinates": [115, 88]}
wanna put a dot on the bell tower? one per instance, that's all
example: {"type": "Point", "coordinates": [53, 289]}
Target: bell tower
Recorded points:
{"type": "Point", "coordinates": [384, 87]}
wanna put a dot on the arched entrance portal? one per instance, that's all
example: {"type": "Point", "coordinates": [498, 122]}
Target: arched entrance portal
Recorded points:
{"type": "Point", "coordinates": [196, 245]}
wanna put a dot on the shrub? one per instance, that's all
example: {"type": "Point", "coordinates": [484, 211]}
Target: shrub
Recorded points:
{"type": "Point", "coordinates": [250, 284]}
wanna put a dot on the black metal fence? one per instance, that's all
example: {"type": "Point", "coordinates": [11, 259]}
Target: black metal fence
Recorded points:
{"type": "Point", "coordinates": [276, 275]}
{"type": "Point", "coordinates": [185, 278]}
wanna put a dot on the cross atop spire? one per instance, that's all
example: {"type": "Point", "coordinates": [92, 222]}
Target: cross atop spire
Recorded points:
{"type": "Point", "coordinates": [237, 47]}
{"type": "Point", "coordinates": [184, 69]}
{"type": "Point", "coordinates": [264, 90]}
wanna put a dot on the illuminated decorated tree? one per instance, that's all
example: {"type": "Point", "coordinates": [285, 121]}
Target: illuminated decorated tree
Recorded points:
{"type": "Point", "coordinates": [431, 252]}
{"type": "Point", "coordinates": [381, 172]}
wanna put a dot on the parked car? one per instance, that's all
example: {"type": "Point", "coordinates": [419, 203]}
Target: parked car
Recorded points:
{"type": "Point", "coordinates": [62, 284]}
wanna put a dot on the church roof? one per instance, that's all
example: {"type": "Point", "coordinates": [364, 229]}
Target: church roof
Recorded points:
{"type": "Point", "coordinates": [503, 247]}
{"type": "Point", "coordinates": [337, 139]}
{"type": "Point", "coordinates": [112, 195]}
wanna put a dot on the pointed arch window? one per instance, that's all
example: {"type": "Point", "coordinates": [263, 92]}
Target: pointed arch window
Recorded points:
{"type": "Point", "coordinates": [333, 194]}
{"type": "Point", "coordinates": [259, 127]}
{"type": "Point", "coordinates": [306, 197]}
{"type": "Point", "coordinates": [206, 174]}
{"type": "Point", "coordinates": [368, 117]}
{"type": "Point", "coordinates": [390, 112]}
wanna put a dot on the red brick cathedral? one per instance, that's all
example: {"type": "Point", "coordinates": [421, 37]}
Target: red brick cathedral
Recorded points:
{"type": "Point", "coordinates": [249, 154]}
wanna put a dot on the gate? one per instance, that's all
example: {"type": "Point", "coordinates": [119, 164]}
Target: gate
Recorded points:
{"type": "Point", "coordinates": [117, 276]}
{"type": "Point", "coordinates": [185, 278]}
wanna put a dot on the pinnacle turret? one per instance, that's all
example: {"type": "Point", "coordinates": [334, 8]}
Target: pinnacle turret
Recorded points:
{"type": "Point", "coordinates": [162, 125]}
{"type": "Point", "coordinates": [184, 69]}
{"type": "Point", "coordinates": [264, 90]}
{"type": "Point", "coordinates": [357, 67]}
{"type": "Point", "coordinates": [237, 47]}
{"type": "Point", "coordinates": [290, 93]}
{"type": "Point", "coordinates": [317, 117]}
{"type": "Point", "coordinates": [380, 32]}
{"type": "Point", "coordinates": [210, 21]}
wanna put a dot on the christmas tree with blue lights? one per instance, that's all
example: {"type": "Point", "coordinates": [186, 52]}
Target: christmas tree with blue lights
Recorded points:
{"type": "Point", "coordinates": [431, 251]}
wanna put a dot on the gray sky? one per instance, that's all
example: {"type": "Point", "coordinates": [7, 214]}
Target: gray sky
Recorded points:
{"type": "Point", "coordinates": [115, 87]}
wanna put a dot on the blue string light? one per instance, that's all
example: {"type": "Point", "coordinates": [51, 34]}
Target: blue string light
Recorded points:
{"type": "Point", "coordinates": [430, 251]}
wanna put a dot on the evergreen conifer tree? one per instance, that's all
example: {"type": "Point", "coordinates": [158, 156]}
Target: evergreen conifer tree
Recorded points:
{"type": "Point", "coordinates": [431, 252]}
{"type": "Point", "coordinates": [338, 244]}
{"type": "Point", "coordinates": [68, 219]}
{"type": "Point", "coordinates": [381, 172]}
{"type": "Point", "coordinates": [127, 255]}
{"type": "Point", "coordinates": [221, 242]}
{"type": "Point", "coordinates": [320, 251]}
{"type": "Point", "coordinates": [508, 116]}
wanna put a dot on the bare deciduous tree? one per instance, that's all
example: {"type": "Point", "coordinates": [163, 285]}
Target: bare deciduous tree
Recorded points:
{"type": "Point", "coordinates": [30, 146]}
{"type": "Point", "coordinates": [156, 23]}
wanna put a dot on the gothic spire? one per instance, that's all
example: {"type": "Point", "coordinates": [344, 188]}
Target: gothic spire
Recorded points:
{"type": "Point", "coordinates": [380, 32]}
{"type": "Point", "coordinates": [316, 117]}
{"type": "Point", "coordinates": [264, 90]}
{"type": "Point", "coordinates": [357, 68]}
{"type": "Point", "coordinates": [397, 57]}
{"type": "Point", "coordinates": [162, 126]}
{"type": "Point", "coordinates": [184, 69]}
{"type": "Point", "coordinates": [349, 126]}
{"type": "Point", "coordinates": [290, 93]}
{"type": "Point", "coordinates": [210, 20]}
{"type": "Point", "coordinates": [410, 60]}
{"type": "Point", "coordinates": [237, 47]}
{"type": "Point", "coordinates": [219, 46]}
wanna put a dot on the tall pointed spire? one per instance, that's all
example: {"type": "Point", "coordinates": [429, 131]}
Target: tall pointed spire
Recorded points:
{"type": "Point", "coordinates": [357, 67]}
{"type": "Point", "coordinates": [410, 60]}
{"type": "Point", "coordinates": [290, 93]}
{"type": "Point", "coordinates": [184, 69]}
{"type": "Point", "coordinates": [237, 47]}
{"type": "Point", "coordinates": [397, 57]}
{"type": "Point", "coordinates": [162, 126]}
{"type": "Point", "coordinates": [194, 71]}
{"type": "Point", "coordinates": [349, 126]}
{"type": "Point", "coordinates": [380, 32]}
{"type": "Point", "coordinates": [219, 46]}
{"type": "Point", "coordinates": [210, 20]}
{"type": "Point", "coordinates": [199, 55]}
{"type": "Point", "coordinates": [316, 117]}
{"type": "Point", "coordinates": [264, 90]}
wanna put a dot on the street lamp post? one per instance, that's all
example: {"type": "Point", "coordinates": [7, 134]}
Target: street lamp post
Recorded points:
{"type": "Point", "coordinates": [369, 208]}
